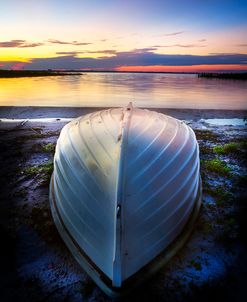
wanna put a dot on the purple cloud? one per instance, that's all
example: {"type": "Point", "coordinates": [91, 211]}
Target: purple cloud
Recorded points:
{"type": "Point", "coordinates": [131, 58]}
{"type": "Point", "coordinates": [31, 45]}
{"type": "Point", "coordinates": [173, 34]}
{"type": "Point", "coordinates": [188, 45]}
{"type": "Point", "coordinates": [74, 53]}
{"type": "Point", "coordinates": [181, 45]}
{"type": "Point", "coordinates": [69, 53]}
{"type": "Point", "coordinates": [105, 51]}
{"type": "Point", "coordinates": [19, 44]}
{"type": "Point", "coordinates": [176, 33]}
{"type": "Point", "coordinates": [54, 41]}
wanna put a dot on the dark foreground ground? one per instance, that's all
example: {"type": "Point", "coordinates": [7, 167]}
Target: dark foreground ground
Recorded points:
{"type": "Point", "coordinates": [36, 265]}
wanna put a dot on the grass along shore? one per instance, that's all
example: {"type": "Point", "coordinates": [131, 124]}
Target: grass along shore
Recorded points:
{"type": "Point", "coordinates": [33, 73]}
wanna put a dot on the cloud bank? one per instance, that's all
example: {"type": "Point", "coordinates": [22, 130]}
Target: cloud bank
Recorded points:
{"type": "Point", "coordinates": [54, 41]}
{"type": "Point", "coordinates": [25, 43]}
{"type": "Point", "coordinates": [136, 57]}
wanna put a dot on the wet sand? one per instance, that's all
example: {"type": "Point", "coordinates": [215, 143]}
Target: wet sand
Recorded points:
{"type": "Point", "coordinates": [36, 265]}
{"type": "Point", "coordinates": [72, 112]}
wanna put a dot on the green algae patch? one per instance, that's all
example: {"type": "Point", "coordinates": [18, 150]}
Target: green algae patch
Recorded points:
{"type": "Point", "coordinates": [44, 148]}
{"type": "Point", "coordinates": [226, 149]}
{"type": "Point", "coordinates": [44, 171]}
{"type": "Point", "coordinates": [42, 168]}
{"type": "Point", "coordinates": [48, 147]}
{"type": "Point", "coordinates": [216, 166]}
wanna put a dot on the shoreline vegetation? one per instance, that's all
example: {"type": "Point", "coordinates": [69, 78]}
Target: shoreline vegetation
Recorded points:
{"type": "Point", "coordinates": [225, 76]}
{"type": "Point", "coordinates": [50, 72]}
{"type": "Point", "coordinates": [34, 73]}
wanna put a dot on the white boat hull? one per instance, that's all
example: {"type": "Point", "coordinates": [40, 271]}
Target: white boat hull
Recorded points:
{"type": "Point", "coordinates": [126, 184]}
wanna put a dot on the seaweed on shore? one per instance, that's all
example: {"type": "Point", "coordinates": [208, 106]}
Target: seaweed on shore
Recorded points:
{"type": "Point", "coordinates": [43, 170]}
{"type": "Point", "coordinates": [217, 166]}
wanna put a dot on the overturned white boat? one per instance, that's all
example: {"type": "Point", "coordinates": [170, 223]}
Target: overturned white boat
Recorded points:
{"type": "Point", "coordinates": [125, 192]}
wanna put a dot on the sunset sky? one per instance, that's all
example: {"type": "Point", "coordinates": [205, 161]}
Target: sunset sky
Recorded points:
{"type": "Point", "coordinates": [124, 35]}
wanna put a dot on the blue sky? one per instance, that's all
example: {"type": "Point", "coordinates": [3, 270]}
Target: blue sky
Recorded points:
{"type": "Point", "coordinates": [97, 28]}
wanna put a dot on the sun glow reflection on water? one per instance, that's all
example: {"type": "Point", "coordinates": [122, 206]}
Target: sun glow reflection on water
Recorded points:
{"type": "Point", "coordinates": [118, 89]}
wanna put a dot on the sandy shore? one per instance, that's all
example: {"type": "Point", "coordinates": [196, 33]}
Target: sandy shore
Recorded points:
{"type": "Point", "coordinates": [36, 265]}
{"type": "Point", "coordinates": [72, 112]}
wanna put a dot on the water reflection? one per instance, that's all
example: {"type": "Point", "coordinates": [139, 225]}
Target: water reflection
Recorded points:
{"type": "Point", "coordinates": [117, 89]}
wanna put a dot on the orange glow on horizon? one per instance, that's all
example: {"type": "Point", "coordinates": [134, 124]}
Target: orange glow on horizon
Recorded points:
{"type": "Point", "coordinates": [194, 68]}
{"type": "Point", "coordinates": [18, 66]}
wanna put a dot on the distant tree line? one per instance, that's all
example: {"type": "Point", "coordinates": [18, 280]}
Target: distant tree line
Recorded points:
{"type": "Point", "coordinates": [230, 75]}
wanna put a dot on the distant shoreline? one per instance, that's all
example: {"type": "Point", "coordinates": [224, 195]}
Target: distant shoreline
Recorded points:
{"type": "Point", "coordinates": [32, 73]}
{"type": "Point", "coordinates": [43, 73]}
{"type": "Point", "coordinates": [224, 76]}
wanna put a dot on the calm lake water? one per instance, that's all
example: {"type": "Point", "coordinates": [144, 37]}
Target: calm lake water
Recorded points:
{"type": "Point", "coordinates": [118, 89]}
